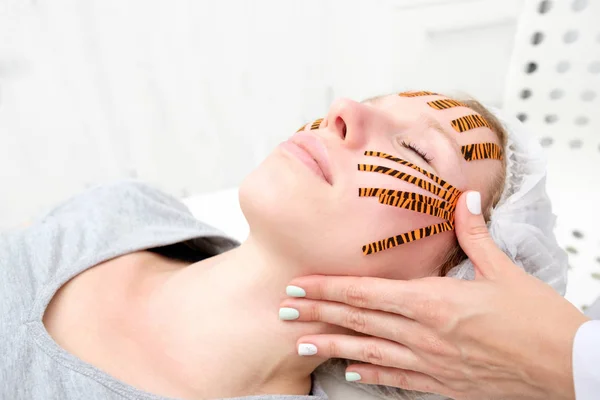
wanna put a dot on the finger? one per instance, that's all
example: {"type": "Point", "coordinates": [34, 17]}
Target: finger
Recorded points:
{"type": "Point", "coordinates": [374, 323]}
{"type": "Point", "coordinates": [475, 239]}
{"type": "Point", "coordinates": [400, 378]}
{"type": "Point", "coordinates": [359, 348]}
{"type": "Point", "coordinates": [392, 296]}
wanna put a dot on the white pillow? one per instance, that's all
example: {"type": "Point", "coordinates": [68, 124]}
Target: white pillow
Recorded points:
{"type": "Point", "coordinates": [220, 209]}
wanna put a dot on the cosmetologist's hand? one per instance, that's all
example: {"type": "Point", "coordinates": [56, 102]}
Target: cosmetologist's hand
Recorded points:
{"type": "Point", "coordinates": [504, 335]}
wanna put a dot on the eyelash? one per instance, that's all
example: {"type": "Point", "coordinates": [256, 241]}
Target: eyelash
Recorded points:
{"type": "Point", "coordinates": [420, 152]}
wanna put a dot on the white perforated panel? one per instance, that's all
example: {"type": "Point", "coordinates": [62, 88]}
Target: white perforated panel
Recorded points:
{"type": "Point", "coordinates": [554, 88]}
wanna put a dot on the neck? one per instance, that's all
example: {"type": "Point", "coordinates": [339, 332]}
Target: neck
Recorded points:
{"type": "Point", "coordinates": [217, 322]}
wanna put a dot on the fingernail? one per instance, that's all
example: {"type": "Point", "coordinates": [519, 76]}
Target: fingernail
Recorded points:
{"type": "Point", "coordinates": [295, 291]}
{"type": "Point", "coordinates": [474, 202]}
{"type": "Point", "coordinates": [288, 314]}
{"type": "Point", "coordinates": [307, 349]}
{"type": "Point", "coordinates": [353, 376]}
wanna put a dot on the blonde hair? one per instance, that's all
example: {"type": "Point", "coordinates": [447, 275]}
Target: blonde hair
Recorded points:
{"type": "Point", "coordinates": [457, 255]}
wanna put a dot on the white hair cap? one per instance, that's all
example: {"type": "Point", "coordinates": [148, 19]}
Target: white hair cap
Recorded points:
{"type": "Point", "coordinates": [522, 222]}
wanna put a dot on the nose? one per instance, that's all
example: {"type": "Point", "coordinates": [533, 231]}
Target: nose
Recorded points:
{"type": "Point", "coordinates": [349, 120]}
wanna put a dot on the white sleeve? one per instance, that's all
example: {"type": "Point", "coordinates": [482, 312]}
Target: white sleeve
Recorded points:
{"type": "Point", "coordinates": [586, 361]}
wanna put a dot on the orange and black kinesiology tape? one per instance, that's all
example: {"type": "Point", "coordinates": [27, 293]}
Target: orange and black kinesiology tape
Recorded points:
{"type": "Point", "coordinates": [444, 104]}
{"type": "Point", "coordinates": [482, 151]}
{"type": "Point", "coordinates": [451, 189]}
{"type": "Point", "coordinates": [445, 206]}
{"type": "Point", "coordinates": [468, 122]}
{"type": "Point", "coordinates": [417, 206]}
{"type": "Point", "coordinates": [411, 236]}
{"type": "Point", "coordinates": [316, 124]}
{"type": "Point", "coordinates": [417, 94]}
{"type": "Point", "coordinates": [379, 192]}
{"type": "Point", "coordinates": [442, 208]}
{"type": "Point", "coordinates": [423, 184]}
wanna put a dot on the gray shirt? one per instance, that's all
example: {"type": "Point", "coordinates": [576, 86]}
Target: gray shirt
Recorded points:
{"type": "Point", "coordinates": [100, 224]}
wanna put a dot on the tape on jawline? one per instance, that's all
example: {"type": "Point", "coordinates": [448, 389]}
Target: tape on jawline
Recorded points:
{"type": "Point", "coordinates": [411, 236]}
{"type": "Point", "coordinates": [411, 201]}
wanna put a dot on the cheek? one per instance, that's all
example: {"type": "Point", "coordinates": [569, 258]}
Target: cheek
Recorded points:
{"type": "Point", "coordinates": [325, 227]}
{"type": "Point", "coordinates": [371, 221]}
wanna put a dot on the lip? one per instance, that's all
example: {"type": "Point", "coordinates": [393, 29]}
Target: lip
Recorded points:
{"type": "Point", "coordinates": [313, 147]}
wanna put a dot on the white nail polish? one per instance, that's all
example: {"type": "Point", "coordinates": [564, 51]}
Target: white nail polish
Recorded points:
{"type": "Point", "coordinates": [307, 349]}
{"type": "Point", "coordinates": [288, 314]}
{"type": "Point", "coordinates": [353, 376]}
{"type": "Point", "coordinates": [474, 202]}
{"type": "Point", "coordinates": [295, 291]}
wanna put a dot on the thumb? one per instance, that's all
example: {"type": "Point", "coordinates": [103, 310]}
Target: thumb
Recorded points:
{"type": "Point", "coordinates": [474, 237]}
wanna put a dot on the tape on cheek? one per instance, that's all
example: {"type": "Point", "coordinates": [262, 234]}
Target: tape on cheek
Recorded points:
{"type": "Point", "coordinates": [428, 174]}
{"type": "Point", "coordinates": [430, 187]}
{"type": "Point", "coordinates": [417, 94]}
{"type": "Point", "coordinates": [379, 192]}
{"type": "Point", "coordinates": [416, 206]}
{"type": "Point", "coordinates": [469, 122]}
{"type": "Point", "coordinates": [411, 201]}
{"type": "Point", "coordinates": [482, 151]}
{"type": "Point", "coordinates": [411, 236]}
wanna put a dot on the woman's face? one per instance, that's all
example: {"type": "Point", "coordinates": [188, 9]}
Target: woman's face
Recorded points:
{"type": "Point", "coordinates": [303, 203]}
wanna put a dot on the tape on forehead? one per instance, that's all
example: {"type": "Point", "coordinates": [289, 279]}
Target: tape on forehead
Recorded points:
{"type": "Point", "coordinates": [482, 151]}
{"type": "Point", "coordinates": [444, 104]}
{"type": "Point", "coordinates": [423, 184]}
{"type": "Point", "coordinates": [468, 122]}
{"type": "Point", "coordinates": [476, 151]}
{"type": "Point", "coordinates": [379, 192]}
{"type": "Point", "coordinates": [411, 236]}
{"type": "Point", "coordinates": [417, 94]}
{"type": "Point", "coordinates": [316, 124]}
{"type": "Point", "coordinates": [428, 174]}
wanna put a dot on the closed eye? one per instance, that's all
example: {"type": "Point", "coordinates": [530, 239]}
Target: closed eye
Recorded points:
{"type": "Point", "coordinates": [417, 150]}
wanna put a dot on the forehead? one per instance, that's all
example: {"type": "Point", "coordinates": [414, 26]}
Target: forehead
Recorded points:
{"type": "Point", "coordinates": [422, 111]}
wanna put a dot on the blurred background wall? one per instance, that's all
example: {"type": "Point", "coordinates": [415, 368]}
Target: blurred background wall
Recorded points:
{"type": "Point", "coordinates": [190, 95]}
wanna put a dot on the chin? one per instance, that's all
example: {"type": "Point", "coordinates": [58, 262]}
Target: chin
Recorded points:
{"type": "Point", "coordinates": [279, 200]}
{"type": "Point", "coordinates": [267, 191]}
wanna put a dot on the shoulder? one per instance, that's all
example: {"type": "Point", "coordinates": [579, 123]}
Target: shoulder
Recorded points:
{"type": "Point", "coordinates": [115, 199]}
